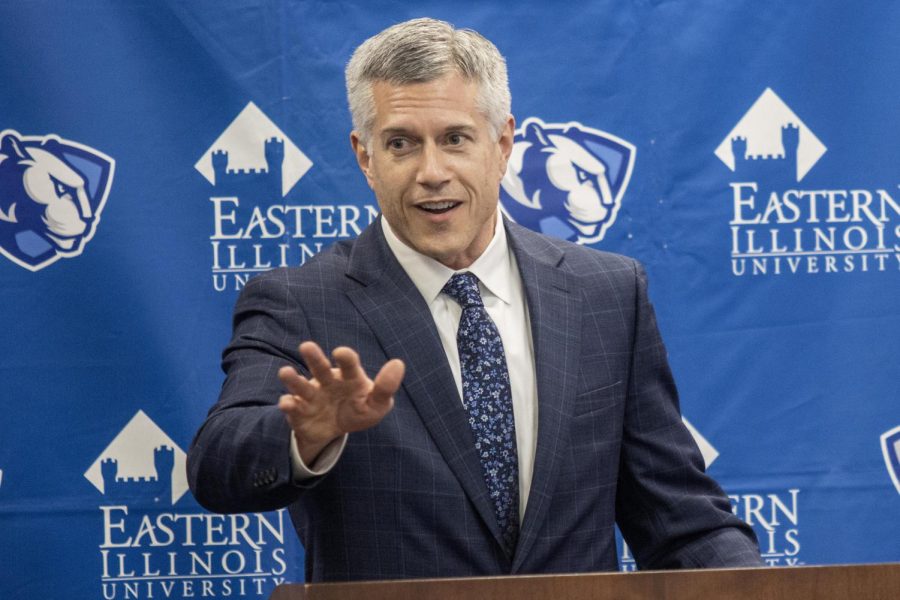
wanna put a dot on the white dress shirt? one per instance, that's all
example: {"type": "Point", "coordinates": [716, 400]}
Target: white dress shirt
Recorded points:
{"type": "Point", "coordinates": [504, 300]}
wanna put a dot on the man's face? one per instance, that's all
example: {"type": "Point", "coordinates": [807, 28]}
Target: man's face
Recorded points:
{"type": "Point", "coordinates": [435, 167]}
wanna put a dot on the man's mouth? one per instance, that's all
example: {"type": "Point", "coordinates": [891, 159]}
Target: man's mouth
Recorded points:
{"type": "Point", "coordinates": [439, 207]}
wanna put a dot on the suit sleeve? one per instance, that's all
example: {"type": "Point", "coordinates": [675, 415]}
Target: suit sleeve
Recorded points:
{"type": "Point", "coordinates": [240, 460]}
{"type": "Point", "coordinates": [670, 512]}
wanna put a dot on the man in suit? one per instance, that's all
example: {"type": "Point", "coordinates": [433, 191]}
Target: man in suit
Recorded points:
{"type": "Point", "coordinates": [522, 405]}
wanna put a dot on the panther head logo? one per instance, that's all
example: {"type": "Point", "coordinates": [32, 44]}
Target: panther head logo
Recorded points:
{"type": "Point", "coordinates": [52, 192]}
{"type": "Point", "coordinates": [566, 180]}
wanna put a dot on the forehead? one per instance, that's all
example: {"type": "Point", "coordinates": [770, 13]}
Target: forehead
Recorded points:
{"type": "Point", "coordinates": [447, 101]}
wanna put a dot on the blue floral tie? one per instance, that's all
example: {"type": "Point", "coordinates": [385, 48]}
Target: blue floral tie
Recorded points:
{"type": "Point", "coordinates": [486, 393]}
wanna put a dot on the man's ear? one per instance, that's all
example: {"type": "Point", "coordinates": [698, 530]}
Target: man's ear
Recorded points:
{"type": "Point", "coordinates": [506, 142]}
{"type": "Point", "coordinates": [362, 156]}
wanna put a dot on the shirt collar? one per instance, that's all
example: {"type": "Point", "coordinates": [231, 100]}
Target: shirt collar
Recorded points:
{"type": "Point", "coordinates": [494, 268]}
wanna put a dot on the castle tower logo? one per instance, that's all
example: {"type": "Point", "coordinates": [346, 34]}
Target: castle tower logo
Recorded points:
{"type": "Point", "coordinates": [890, 448]}
{"type": "Point", "coordinates": [151, 548]}
{"type": "Point", "coordinates": [770, 137]}
{"type": "Point", "coordinates": [253, 154]}
{"type": "Point", "coordinates": [781, 227]}
{"type": "Point", "coordinates": [142, 463]}
{"type": "Point", "coordinates": [256, 225]}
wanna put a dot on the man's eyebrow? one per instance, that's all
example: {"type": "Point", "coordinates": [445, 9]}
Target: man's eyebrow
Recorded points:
{"type": "Point", "coordinates": [460, 127]}
{"type": "Point", "coordinates": [393, 131]}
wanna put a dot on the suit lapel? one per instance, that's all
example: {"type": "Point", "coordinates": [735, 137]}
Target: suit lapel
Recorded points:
{"type": "Point", "coordinates": [554, 305]}
{"type": "Point", "coordinates": [401, 321]}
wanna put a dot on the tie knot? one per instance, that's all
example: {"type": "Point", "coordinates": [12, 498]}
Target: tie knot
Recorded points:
{"type": "Point", "coordinates": [463, 287]}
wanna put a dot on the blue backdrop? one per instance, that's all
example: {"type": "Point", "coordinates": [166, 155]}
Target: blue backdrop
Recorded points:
{"type": "Point", "coordinates": [155, 155]}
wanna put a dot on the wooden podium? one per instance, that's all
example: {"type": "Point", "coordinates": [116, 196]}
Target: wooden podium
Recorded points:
{"type": "Point", "coordinates": [864, 582]}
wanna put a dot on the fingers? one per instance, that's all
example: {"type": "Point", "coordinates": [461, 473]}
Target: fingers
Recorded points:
{"type": "Point", "coordinates": [300, 390]}
{"type": "Point", "coordinates": [348, 362]}
{"type": "Point", "coordinates": [387, 382]}
{"type": "Point", "coordinates": [290, 404]}
{"type": "Point", "coordinates": [349, 369]}
{"type": "Point", "coordinates": [318, 364]}
{"type": "Point", "coordinates": [295, 383]}
{"type": "Point", "coordinates": [346, 359]}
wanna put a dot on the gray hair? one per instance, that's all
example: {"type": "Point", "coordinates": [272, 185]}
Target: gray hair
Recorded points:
{"type": "Point", "coordinates": [420, 51]}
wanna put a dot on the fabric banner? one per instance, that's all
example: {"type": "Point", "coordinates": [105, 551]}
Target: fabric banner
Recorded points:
{"type": "Point", "coordinates": [155, 155]}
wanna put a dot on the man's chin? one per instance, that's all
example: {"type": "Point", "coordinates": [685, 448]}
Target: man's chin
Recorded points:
{"type": "Point", "coordinates": [455, 257]}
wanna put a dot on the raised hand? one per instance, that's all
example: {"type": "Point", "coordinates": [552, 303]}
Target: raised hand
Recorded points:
{"type": "Point", "coordinates": [337, 400]}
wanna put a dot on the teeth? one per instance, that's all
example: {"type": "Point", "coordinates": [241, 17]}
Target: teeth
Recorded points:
{"type": "Point", "coordinates": [437, 205]}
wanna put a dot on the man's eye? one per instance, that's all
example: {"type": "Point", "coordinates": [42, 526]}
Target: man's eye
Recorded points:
{"type": "Point", "coordinates": [397, 144]}
{"type": "Point", "coordinates": [455, 139]}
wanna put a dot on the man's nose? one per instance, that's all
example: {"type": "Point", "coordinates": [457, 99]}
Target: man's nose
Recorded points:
{"type": "Point", "coordinates": [433, 171]}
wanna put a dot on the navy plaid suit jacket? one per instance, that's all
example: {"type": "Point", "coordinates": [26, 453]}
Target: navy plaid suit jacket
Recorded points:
{"type": "Point", "coordinates": [407, 498]}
